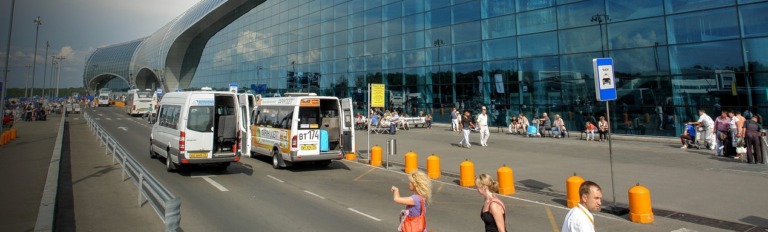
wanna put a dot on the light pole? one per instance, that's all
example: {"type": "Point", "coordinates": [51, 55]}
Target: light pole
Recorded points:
{"type": "Point", "coordinates": [47, 45]}
{"type": "Point", "coordinates": [53, 68]}
{"type": "Point", "coordinates": [26, 85]}
{"type": "Point", "coordinates": [438, 43]}
{"type": "Point", "coordinates": [34, 58]}
{"type": "Point", "coordinates": [7, 56]}
{"type": "Point", "coordinates": [58, 75]}
{"type": "Point", "coordinates": [600, 18]}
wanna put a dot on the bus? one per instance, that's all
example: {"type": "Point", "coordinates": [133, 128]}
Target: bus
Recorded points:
{"type": "Point", "coordinates": [139, 101]}
{"type": "Point", "coordinates": [301, 127]}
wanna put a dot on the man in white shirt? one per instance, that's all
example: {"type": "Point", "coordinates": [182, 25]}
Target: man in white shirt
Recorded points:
{"type": "Point", "coordinates": [709, 129]}
{"type": "Point", "coordinates": [482, 122]}
{"type": "Point", "coordinates": [580, 218]}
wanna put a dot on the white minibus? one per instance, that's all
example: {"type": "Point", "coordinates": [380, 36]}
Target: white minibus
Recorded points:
{"type": "Point", "coordinates": [200, 127]}
{"type": "Point", "coordinates": [301, 127]}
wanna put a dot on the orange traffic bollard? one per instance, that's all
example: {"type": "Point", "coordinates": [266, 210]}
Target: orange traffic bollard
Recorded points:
{"type": "Point", "coordinates": [506, 180]}
{"type": "Point", "coordinates": [13, 133]}
{"type": "Point", "coordinates": [351, 155]}
{"type": "Point", "coordinates": [433, 167]}
{"type": "Point", "coordinates": [640, 205]}
{"type": "Point", "coordinates": [376, 156]}
{"type": "Point", "coordinates": [572, 190]}
{"type": "Point", "coordinates": [411, 162]}
{"type": "Point", "coordinates": [467, 174]}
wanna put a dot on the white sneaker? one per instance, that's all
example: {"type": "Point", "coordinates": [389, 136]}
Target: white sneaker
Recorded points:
{"type": "Point", "coordinates": [684, 147]}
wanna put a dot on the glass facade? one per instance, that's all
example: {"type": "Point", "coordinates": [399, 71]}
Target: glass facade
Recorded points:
{"type": "Point", "coordinates": [671, 57]}
{"type": "Point", "coordinates": [108, 66]}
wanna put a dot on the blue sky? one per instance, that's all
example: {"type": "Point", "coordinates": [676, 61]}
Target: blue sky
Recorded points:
{"type": "Point", "coordinates": [75, 28]}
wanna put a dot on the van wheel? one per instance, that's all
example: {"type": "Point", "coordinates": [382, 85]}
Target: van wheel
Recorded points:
{"type": "Point", "coordinates": [152, 154]}
{"type": "Point", "coordinates": [275, 159]}
{"type": "Point", "coordinates": [169, 165]}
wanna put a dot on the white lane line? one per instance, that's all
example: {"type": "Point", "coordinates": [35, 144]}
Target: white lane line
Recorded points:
{"type": "Point", "coordinates": [279, 180]}
{"type": "Point", "coordinates": [109, 119]}
{"type": "Point", "coordinates": [76, 118]}
{"type": "Point", "coordinates": [314, 194]}
{"type": "Point", "coordinates": [98, 119]}
{"type": "Point", "coordinates": [119, 119]}
{"type": "Point", "coordinates": [215, 184]}
{"type": "Point", "coordinates": [361, 213]}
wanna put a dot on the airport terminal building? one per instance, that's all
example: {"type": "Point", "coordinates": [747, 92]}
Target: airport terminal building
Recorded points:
{"type": "Point", "coordinates": [671, 57]}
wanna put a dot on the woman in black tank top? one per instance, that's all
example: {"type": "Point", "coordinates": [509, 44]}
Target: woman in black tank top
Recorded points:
{"type": "Point", "coordinates": [493, 212]}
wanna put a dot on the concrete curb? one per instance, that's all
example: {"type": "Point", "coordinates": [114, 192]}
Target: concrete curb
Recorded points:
{"type": "Point", "coordinates": [45, 215]}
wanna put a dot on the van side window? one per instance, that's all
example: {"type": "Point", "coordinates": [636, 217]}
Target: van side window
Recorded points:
{"type": "Point", "coordinates": [285, 117]}
{"type": "Point", "coordinates": [175, 117]}
{"type": "Point", "coordinates": [254, 117]}
{"type": "Point", "coordinates": [164, 116]}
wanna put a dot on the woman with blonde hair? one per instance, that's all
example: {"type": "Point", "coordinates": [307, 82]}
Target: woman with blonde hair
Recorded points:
{"type": "Point", "coordinates": [494, 213]}
{"type": "Point", "coordinates": [413, 218]}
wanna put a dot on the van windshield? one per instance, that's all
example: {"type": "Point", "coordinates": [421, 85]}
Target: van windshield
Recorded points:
{"type": "Point", "coordinates": [200, 118]}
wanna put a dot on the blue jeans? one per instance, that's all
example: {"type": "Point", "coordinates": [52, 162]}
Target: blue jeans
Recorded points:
{"type": "Point", "coordinates": [719, 143]}
{"type": "Point", "coordinates": [591, 134]}
{"type": "Point", "coordinates": [556, 131]}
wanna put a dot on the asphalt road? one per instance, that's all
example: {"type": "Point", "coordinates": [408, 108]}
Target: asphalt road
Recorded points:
{"type": "Point", "coordinates": [346, 196]}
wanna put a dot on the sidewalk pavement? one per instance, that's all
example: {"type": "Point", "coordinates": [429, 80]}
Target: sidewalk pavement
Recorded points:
{"type": "Point", "coordinates": [685, 181]}
{"type": "Point", "coordinates": [102, 201]}
{"type": "Point", "coordinates": [23, 170]}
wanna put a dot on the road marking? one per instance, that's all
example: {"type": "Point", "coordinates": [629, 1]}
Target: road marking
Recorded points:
{"type": "Point", "coordinates": [97, 118]}
{"type": "Point", "coordinates": [440, 188]}
{"type": "Point", "coordinates": [119, 119]}
{"type": "Point", "coordinates": [373, 168]}
{"type": "Point", "coordinates": [215, 184]}
{"type": "Point", "coordinates": [361, 213]}
{"type": "Point", "coordinates": [551, 219]}
{"type": "Point", "coordinates": [314, 194]}
{"type": "Point", "coordinates": [683, 230]}
{"type": "Point", "coordinates": [123, 128]}
{"type": "Point", "coordinates": [109, 119]}
{"type": "Point", "coordinates": [75, 118]}
{"type": "Point", "coordinates": [279, 180]}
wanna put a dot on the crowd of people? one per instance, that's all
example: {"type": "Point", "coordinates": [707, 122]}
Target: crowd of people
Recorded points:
{"type": "Point", "coordinates": [493, 213]}
{"type": "Point", "coordinates": [392, 121]}
{"type": "Point", "coordinates": [731, 134]}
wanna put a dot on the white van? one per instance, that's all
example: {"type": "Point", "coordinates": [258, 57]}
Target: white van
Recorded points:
{"type": "Point", "coordinates": [201, 127]}
{"type": "Point", "coordinates": [103, 100]}
{"type": "Point", "coordinates": [300, 127]}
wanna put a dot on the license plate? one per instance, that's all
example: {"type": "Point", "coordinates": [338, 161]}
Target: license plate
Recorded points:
{"type": "Point", "coordinates": [198, 155]}
{"type": "Point", "coordinates": [308, 147]}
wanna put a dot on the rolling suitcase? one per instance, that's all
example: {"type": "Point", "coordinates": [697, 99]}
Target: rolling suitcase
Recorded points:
{"type": "Point", "coordinates": [324, 140]}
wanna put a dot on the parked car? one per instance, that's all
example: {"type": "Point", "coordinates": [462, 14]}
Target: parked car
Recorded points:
{"type": "Point", "coordinates": [76, 108]}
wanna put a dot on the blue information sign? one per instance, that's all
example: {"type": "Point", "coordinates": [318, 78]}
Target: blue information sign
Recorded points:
{"type": "Point", "coordinates": [159, 92]}
{"type": "Point", "coordinates": [605, 83]}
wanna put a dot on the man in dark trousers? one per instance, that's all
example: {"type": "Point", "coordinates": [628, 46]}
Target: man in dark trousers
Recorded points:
{"type": "Point", "coordinates": [752, 139]}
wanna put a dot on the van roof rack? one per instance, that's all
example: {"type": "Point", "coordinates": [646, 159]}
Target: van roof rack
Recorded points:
{"type": "Point", "coordinates": [299, 94]}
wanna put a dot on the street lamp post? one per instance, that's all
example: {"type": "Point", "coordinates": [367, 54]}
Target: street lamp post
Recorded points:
{"type": "Point", "coordinates": [45, 70]}
{"type": "Point", "coordinates": [38, 22]}
{"type": "Point", "coordinates": [600, 18]}
{"type": "Point", "coordinates": [58, 75]}
{"type": "Point", "coordinates": [26, 85]}
{"type": "Point", "coordinates": [53, 68]}
{"type": "Point", "coordinates": [438, 43]}
{"type": "Point", "coordinates": [7, 57]}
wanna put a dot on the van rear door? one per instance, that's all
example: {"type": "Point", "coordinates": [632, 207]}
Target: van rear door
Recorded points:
{"type": "Point", "coordinates": [246, 102]}
{"type": "Point", "coordinates": [199, 126]}
{"type": "Point", "coordinates": [347, 125]}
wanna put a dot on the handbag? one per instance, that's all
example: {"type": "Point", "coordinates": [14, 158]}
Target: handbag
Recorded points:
{"type": "Point", "coordinates": [417, 223]}
{"type": "Point", "coordinates": [741, 150]}
{"type": "Point", "coordinates": [722, 136]}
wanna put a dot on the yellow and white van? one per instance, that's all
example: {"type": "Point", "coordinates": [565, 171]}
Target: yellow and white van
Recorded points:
{"type": "Point", "coordinates": [300, 127]}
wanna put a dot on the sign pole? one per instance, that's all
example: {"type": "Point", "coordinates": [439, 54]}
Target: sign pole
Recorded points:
{"type": "Point", "coordinates": [610, 154]}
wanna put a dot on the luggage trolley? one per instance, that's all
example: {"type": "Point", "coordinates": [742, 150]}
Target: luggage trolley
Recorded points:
{"type": "Point", "coordinates": [533, 129]}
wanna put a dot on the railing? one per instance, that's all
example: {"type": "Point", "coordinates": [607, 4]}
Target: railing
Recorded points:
{"type": "Point", "coordinates": [167, 206]}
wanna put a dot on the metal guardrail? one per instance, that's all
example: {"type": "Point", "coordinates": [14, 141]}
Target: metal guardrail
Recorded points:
{"type": "Point", "coordinates": [167, 206]}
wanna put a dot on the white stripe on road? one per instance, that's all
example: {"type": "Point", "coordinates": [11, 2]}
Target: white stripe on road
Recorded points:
{"type": "Point", "coordinates": [215, 184]}
{"type": "Point", "coordinates": [97, 118]}
{"type": "Point", "coordinates": [281, 181]}
{"type": "Point", "coordinates": [109, 119]}
{"type": "Point", "coordinates": [76, 118]}
{"type": "Point", "coordinates": [361, 213]}
{"type": "Point", "coordinates": [119, 119]}
{"type": "Point", "coordinates": [314, 194]}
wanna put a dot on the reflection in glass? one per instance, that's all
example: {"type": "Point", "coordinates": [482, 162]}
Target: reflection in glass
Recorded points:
{"type": "Point", "coordinates": [677, 6]}
{"type": "Point", "coordinates": [703, 26]}
{"type": "Point", "coordinates": [700, 58]}
{"type": "Point", "coordinates": [500, 49]}
{"type": "Point", "coordinates": [413, 40]}
{"type": "Point", "coordinates": [413, 6]}
{"type": "Point", "coordinates": [499, 27]}
{"type": "Point", "coordinates": [438, 18]}
{"type": "Point", "coordinates": [579, 14]}
{"type": "Point", "coordinates": [538, 44]}
{"type": "Point", "coordinates": [466, 32]}
{"type": "Point", "coordinates": [621, 10]}
{"type": "Point", "coordinates": [754, 20]}
{"type": "Point", "coordinates": [414, 58]}
{"type": "Point", "coordinates": [756, 54]}
{"type": "Point", "coordinates": [466, 12]}
{"type": "Point", "coordinates": [526, 5]}
{"type": "Point", "coordinates": [585, 39]}
{"type": "Point", "coordinates": [393, 60]}
{"type": "Point", "coordinates": [492, 8]}
{"type": "Point", "coordinates": [413, 23]}
{"type": "Point", "coordinates": [443, 33]}
{"type": "Point", "coordinates": [537, 21]}
{"type": "Point", "coordinates": [467, 52]}
{"type": "Point", "coordinates": [639, 33]}
{"type": "Point", "coordinates": [641, 62]}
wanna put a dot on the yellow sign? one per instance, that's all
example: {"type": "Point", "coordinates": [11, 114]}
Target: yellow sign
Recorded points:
{"type": "Point", "coordinates": [377, 95]}
{"type": "Point", "coordinates": [733, 89]}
